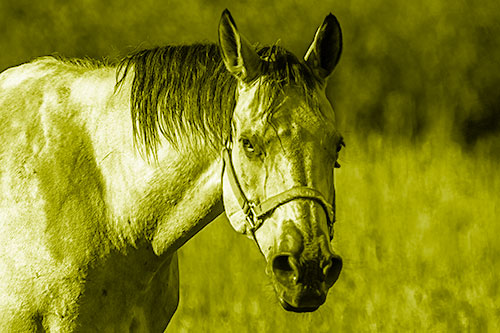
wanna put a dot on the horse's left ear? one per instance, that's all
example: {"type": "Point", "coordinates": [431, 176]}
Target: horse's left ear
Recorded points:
{"type": "Point", "coordinates": [238, 54]}
{"type": "Point", "coordinates": [324, 52]}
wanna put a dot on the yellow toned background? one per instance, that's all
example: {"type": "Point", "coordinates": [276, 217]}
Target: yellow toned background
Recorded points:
{"type": "Point", "coordinates": [417, 95]}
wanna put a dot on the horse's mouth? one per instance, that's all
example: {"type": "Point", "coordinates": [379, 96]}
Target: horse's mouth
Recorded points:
{"type": "Point", "coordinates": [288, 307]}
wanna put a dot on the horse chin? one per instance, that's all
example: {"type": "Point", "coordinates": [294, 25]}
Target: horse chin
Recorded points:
{"type": "Point", "coordinates": [299, 300]}
{"type": "Point", "coordinates": [288, 307]}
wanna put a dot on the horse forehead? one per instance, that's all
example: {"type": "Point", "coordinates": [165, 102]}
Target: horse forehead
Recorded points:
{"type": "Point", "coordinates": [292, 113]}
{"type": "Point", "coordinates": [298, 119]}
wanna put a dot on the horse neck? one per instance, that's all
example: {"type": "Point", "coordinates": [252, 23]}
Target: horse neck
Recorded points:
{"type": "Point", "coordinates": [162, 203]}
{"type": "Point", "coordinates": [175, 197]}
{"type": "Point", "coordinates": [186, 198]}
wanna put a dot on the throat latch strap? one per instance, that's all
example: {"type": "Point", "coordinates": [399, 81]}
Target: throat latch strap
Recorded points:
{"type": "Point", "coordinates": [255, 213]}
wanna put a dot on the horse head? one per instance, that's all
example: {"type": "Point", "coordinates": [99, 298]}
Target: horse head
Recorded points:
{"type": "Point", "coordinates": [278, 182]}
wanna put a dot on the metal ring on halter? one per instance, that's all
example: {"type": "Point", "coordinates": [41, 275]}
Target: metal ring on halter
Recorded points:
{"type": "Point", "coordinates": [253, 220]}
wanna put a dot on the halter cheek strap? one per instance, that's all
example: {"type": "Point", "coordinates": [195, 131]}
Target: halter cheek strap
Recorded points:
{"type": "Point", "coordinates": [254, 213]}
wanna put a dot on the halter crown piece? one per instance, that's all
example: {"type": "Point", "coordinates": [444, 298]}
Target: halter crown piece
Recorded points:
{"type": "Point", "coordinates": [255, 212]}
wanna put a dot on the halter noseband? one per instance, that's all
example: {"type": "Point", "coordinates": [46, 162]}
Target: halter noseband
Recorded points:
{"type": "Point", "coordinates": [254, 213]}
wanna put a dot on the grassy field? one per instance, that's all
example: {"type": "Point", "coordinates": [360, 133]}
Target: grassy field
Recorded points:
{"type": "Point", "coordinates": [417, 97]}
{"type": "Point", "coordinates": [418, 233]}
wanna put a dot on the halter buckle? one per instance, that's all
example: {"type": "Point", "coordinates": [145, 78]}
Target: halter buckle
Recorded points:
{"type": "Point", "coordinates": [253, 221]}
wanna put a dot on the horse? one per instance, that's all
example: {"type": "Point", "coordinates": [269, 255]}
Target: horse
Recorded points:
{"type": "Point", "coordinates": [108, 169]}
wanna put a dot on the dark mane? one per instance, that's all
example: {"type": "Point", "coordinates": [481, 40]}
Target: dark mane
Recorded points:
{"type": "Point", "coordinates": [185, 93]}
{"type": "Point", "coordinates": [179, 91]}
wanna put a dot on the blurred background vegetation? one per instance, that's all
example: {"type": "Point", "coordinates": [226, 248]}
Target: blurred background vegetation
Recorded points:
{"type": "Point", "coordinates": [417, 96]}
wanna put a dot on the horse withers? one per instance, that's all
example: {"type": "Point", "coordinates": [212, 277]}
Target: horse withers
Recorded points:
{"type": "Point", "coordinates": [106, 170]}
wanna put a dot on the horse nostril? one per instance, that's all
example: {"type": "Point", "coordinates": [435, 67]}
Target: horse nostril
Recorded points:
{"type": "Point", "coordinates": [285, 269]}
{"type": "Point", "coordinates": [332, 270]}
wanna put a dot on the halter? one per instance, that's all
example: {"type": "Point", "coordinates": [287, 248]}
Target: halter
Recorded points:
{"type": "Point", "coordinates": [254, 213]}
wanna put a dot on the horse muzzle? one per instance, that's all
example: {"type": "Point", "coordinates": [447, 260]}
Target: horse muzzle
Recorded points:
{"type": "Point", "coordinates": [303, 286]}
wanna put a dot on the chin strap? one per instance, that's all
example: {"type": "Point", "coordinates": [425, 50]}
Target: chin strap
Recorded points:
{"type": "Point", "coordinates": [254, 213]}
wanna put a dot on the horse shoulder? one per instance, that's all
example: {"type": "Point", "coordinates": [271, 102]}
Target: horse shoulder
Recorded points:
{"type": "Point", "coordinates": [67, 168]}
{"type": "Point", "coordinates": [52, 207]}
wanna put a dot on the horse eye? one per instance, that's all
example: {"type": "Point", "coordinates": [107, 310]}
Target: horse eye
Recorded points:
{"type": "Point", "coordinates": [247, 145]}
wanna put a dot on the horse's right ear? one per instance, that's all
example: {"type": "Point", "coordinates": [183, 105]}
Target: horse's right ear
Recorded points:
{"type": "Point", "coordinates": [238, 55]}
{"type": "Point", "coordinates": [324, 52]}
